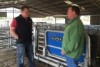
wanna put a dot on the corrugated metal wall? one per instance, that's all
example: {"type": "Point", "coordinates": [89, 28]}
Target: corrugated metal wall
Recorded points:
{"type": "Point", "coordinates": [95, 20]}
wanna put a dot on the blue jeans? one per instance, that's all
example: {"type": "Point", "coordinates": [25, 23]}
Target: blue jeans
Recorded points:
{"type": "Point", "coordinates": [71, 62]}
{"type": "Point", "coordinates": [23, 49]}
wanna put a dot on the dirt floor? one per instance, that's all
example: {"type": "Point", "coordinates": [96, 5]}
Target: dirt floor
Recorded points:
{"type": "Point", "coordinates": [8, 59]}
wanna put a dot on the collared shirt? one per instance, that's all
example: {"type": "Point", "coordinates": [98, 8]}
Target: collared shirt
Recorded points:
{"type": "Point", "coordinates": [73, 39]}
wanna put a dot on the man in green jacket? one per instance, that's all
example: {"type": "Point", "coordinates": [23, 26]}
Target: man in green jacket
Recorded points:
{"type": "Point", "coordinates": [73, 39]}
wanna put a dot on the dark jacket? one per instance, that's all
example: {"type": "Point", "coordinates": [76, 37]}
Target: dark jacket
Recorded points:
{"type": "Point", "coordinates": [24, 29]}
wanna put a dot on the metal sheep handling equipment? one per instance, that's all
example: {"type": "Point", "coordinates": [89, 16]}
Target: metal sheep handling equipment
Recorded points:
{"type": "Point", "coordinates": [48, 42]}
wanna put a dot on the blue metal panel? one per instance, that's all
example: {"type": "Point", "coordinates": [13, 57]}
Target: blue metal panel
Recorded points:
{"type": "Point", "coordinates": [50, 38]}
{"type": "Point", "coordinates": [55, 52]}
{"type": "Point", "coordinates": [54, 44]}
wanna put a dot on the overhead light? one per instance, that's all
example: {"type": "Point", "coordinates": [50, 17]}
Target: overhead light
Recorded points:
{"type": "Point", "coordinates": [6, 2]}
{"type": "Point", "coordinates": [73, 4]}
{"type": "Point", "coordinates": [82, 8]}
{"type": "Point", "coordinates": [22, 0]}
{"type": "Point", "coordinates": [68, 2]}
{"type": "Point", "coordinates": [9, 2]}
{"type": "Point", "coordinates": [16, 2]}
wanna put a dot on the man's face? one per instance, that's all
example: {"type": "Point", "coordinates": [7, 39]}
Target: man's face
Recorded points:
{"type": "Point", "coordinates": [25, 13]}
{"type": "Point", "coordinates": [70, 13]}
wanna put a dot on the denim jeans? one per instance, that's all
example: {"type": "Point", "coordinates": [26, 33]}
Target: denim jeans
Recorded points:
{"type": "Point", "coordinates": [23, 49]}
{"type": "Point", "coordinates": [71, 62]}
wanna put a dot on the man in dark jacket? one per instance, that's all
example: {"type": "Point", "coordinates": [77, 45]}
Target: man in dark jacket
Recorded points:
{"type": "Point", "coordinates": [21, 30]}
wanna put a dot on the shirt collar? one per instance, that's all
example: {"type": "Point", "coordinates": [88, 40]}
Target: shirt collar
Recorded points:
{"type": "Point", "coordinates": [71, 21]}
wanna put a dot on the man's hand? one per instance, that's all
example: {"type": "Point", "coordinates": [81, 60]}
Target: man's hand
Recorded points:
{"type": "Point", "coordinates": [13, 33]}
{"type": "Point", "coordinates": [63, 52]}
{"type": "Point", "coordinates": [16, 37]}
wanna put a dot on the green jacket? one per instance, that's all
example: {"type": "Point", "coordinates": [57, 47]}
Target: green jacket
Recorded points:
{"type": "Point", "coordinates": [73, 39]}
